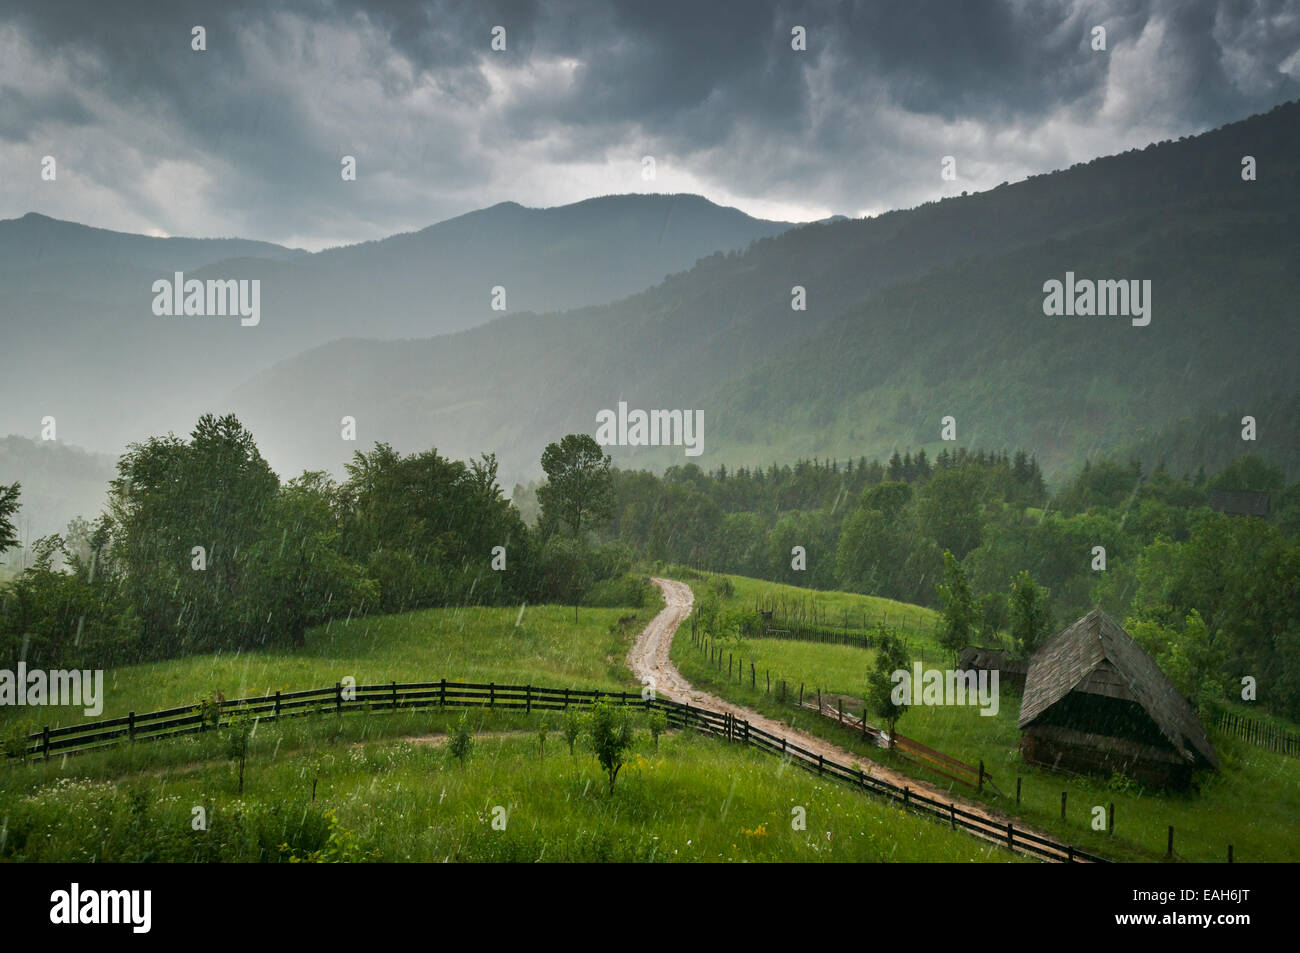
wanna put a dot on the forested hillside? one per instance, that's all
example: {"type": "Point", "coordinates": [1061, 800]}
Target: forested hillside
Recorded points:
{"type": "Point", "coordinates": [1211, 595]}
{"type": "Point", "coordinates": [912, 316]}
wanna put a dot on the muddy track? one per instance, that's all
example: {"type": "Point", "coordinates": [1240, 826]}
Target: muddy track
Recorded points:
{"type": "Point", "coordinates": [649, 661]}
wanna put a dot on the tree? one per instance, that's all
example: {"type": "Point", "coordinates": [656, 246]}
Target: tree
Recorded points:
{"type": "Point", "coordinates": [658, 725]}
{"type": "Point", "coordinates": [574, 725]}
{"type": "Point", "coordinates": [610, 728]}
{"type": "Point", "coordinates": [238, 733]}
{"type": "Point", "coordinates": [8, 507]}
{"type": "Point", "coordinates": [1030, 620]}
{"type": "Point", "coordinates": [891, 657]}
{"type": "Point", "coordinates": [462, 740]}
{"type": "Point", "coordinates": [579, 487]}
{"type": "Point", "coordinates": [297, 576]}
{"type": "Point", "coordinates": [1193, 659]}
{"type": "Point", "coordinates": [171, 496]}
{"type": "Point", "coordinates": [949, 509]}
{"type": "Point", "coordinates": [959, 615]}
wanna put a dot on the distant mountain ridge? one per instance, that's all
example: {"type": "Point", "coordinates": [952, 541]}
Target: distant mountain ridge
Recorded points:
{"type": "Point", "coordinates": [75, 301]}
{"type": "Point", "coordinates": [912, 316]}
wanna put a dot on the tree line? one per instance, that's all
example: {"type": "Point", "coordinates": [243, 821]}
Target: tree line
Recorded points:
{"type": "Point", "coordinates": [1213, 597]}
{"type": "Point", "coordinates": [202, 548]}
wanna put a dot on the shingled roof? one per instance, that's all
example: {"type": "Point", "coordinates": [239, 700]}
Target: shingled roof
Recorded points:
{"type": "Point", "coordinates": [1096, 656]}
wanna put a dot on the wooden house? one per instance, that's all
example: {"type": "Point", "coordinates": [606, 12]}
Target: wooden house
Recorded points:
{"type": "Point", "coordinates": [1011, 671]}
{"type": "Point", "coordinates": [1095, 702]}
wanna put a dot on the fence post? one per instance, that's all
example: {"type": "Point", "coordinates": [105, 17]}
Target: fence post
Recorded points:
{"type": "Point", "coordinates": [952, 815]}
{"type": "Point", "coordinates": [442, 695]}
{"type": "Point", "coordinates": [130, 719]}
{"type": "Point", "coordinates": [980, 786]}
{"type": "Point", "coordinates": [338, 697]}
{"type": "Point", "coordinates": [394, 696]}
{"type": "Point", "coordinates": [528, 699]}
{"type": "Point", "coordinates": [1110, 819]}
{"type": "Point", "coordinates": [1069, 854]}
{"type": "Point", "coordinates": [1011, 845]}
{"type": "Point", "coordinates": [768, 673]}
{"type": "Point", "coordinates": [1062, 805]}
{"type": "Point", "coordinates": [907, 797]}
{"type": "Point", "coordinates": [45, 742]}
{"type": "Point", "coordinates": [1017, 791]}
{"type": "Point", "coordinates": [820, 759]}
{"type": "Point", "coordinates": [801, 694]}
{"type": "Point", "coordinates": [753, 676]}
{"type": "Point", "coordinates": [277, 703]}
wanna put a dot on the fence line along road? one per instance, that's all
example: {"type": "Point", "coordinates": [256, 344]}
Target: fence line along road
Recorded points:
{"type": "Point", "coordinates": [191, 719]}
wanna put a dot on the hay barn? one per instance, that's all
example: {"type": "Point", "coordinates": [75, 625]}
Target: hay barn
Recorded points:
{"type": "Point", "coordinates": [1011, 671]}
{"type": "Point", "coordinates": [1095, 702]}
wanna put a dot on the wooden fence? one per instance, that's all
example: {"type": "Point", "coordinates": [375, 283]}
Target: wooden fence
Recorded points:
{"type": "Point", "coordinates": [190, 719]}
{"type": "Point", "coordinates": [1266, 736]}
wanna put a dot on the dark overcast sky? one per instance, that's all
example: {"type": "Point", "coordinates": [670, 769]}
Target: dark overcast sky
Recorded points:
{"type": "Point", "coordinates": [246, 139]}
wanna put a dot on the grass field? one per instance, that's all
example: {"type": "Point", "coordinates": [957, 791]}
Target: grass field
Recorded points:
{"type": "Point", "coordinates": [693, 799]}
{"type": "Point", "coordinates": [1251, 803]}
{"type": "Point", "coordinates": [472, 645]}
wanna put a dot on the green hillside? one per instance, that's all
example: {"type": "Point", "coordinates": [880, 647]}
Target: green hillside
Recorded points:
{"type": "Point", "coordinates": [911, 316]}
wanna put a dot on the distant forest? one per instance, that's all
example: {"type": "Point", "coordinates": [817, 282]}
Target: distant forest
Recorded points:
{"type": "Point", "coordinates": [202, 548]}
{"type": "Point", "coordinates": [1211, 595]}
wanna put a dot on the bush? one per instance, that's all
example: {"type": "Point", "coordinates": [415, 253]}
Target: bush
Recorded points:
{"type": "Point", "coordinates": [574, 726]}
{"type": "Point", "coordinates": [658, 725]}
{"type": "Point", "coordinates": [462, 741]}
{"type": "Point", "coordinates": [610, 729]}
{"type": "Point", "coordinates": [627, 590]}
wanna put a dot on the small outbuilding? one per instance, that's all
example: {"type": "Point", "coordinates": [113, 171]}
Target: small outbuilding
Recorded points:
{"type": "Point", "coordinates": [1011, 671]}
{"type": "Point", "coordinates": [1095, 702]}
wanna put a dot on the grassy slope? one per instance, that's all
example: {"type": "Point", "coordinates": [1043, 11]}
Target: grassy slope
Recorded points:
{"type": "Point", "coordinates": [471, 645]}
{"type": "Point", "coordinates": [1251, 803]}
{"type": "Point", "coordinates": [693, 799]}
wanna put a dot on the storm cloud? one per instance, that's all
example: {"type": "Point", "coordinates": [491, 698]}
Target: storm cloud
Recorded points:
{"type": "Point", "coordinates": [246, 138]}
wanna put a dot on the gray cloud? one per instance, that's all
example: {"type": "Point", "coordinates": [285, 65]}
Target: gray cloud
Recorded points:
{"type": "Point", "coordinates": [247, 137]}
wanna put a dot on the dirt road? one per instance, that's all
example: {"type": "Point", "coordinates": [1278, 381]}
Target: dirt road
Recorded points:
{"type": "Point", "coordinates": [649, 661]}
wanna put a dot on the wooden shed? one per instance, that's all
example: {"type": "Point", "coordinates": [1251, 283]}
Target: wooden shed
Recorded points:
{"type": "Point", "coordinates": [1095, 702]}
{"type": "Point", "coordinates": [1011, 671]}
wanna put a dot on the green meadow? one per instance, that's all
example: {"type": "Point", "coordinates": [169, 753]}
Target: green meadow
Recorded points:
{"type": "Point", "coordinates": [543, 646]}
{"type": "Point", "coordinates": [1251, 803]}
{"type": "Point", "coordinates": [328, 789]}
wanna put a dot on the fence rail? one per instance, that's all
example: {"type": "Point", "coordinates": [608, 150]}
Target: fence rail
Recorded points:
{"type": "Point", "coordinates": [191, 719]}
{"type": "Point", "coordinates": [1269, 737]}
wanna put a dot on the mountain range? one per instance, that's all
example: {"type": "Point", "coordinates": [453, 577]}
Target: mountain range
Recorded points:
{"type": "Point", "coordinates": [82, 343]}
{"type": "Point", "coordinates": [911, 317]}
{"type": "Point", "coordinates": [670, 302]}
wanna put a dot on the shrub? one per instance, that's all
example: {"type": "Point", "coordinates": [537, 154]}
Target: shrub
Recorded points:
{"type": "Point", "coordinates": [658, 725]}
{"type": "Point", "coordinates": [462, 741]}
{"type": "Point", "coordinates": [574, 725]}
{"type": "Point", "coordinates": [610, 729]}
